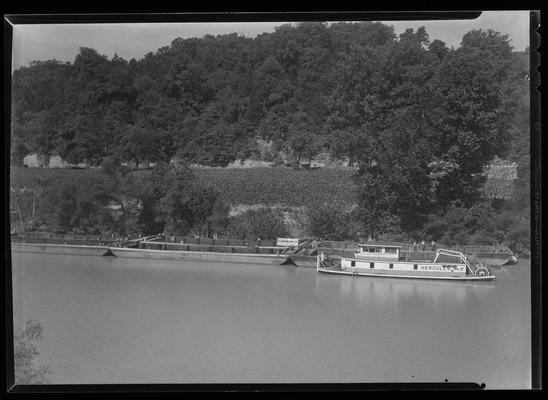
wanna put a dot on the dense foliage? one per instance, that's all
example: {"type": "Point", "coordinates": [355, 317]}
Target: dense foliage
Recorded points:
{"type": "Point", "coordinates": [115, 200]}
{"type": "Point", "coordinates": [263, 223]}
{"type": "Point", "coordinates": [419, 121]}
{"type": "Point", "coordinates": [305, 88]}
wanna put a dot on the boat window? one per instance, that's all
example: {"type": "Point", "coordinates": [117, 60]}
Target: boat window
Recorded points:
{"type": "Point", "coordinates": [390, 250]}
{"type": "Point", "coordinates": [415, 266]}
{"type": "Point", "coordinates": [371, 250]}
{"type": "Point", "coordinates": [391, 266]}
{"type": "Point", "coordinates": [352, 263]}
{"type": "Point", "coordinates": [372, 265]}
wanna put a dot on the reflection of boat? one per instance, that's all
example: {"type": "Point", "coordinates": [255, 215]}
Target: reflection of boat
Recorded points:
{"type": "Point", "coordinates": [435, 292]}
{"type": "Point", "coordinates": [388, 261]}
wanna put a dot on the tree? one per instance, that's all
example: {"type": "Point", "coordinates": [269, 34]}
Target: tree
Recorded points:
{"type": "Point", "coordinates": [172, 201]}
{"type": "Point", "coordinates": [18, 151]}
{"type": "Point", "coordinates": [304, 141]}
{"type": "Point", "coordinates": [218, 220]}
{"type": "Point", "coordinates": [137, 144]}
{"type": "Point", "coordinates": [489, 40]}
{"type": "Point", "coordinates": [187, 82]}
{"type": "Point", "coordinates": [383, 102]}
{"type": "Point", "coordinates": [27, 372]}
{"type": "Point", "coordinates": [331, 221]}
{"type": "Point", "coordinates": [476, 112]}
{"type": "Point", "coordinates": [37, 106]}
{"type": "Point", "coordinates": [438, 48]}
{"type": "Point", "coordinates": [64, 207]}
{"type": "Point", "coordinates": [271, 87]}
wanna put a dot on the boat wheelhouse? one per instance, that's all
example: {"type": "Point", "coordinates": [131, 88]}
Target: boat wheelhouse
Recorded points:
{"type": "Point", "coordinates": [386, 260]}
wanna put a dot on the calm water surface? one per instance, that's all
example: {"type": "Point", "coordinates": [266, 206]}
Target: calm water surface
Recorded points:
{"type": "Point", "coordinates": [121, 320]}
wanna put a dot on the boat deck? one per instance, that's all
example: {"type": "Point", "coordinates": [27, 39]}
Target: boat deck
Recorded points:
{"type": "Point", "coordinates": [407, 274]}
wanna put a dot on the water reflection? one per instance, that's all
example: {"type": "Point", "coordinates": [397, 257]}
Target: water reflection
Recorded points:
{"type": "Point", "coordinates": [366, 290]}
{"type": "Point", "coordinates": [212, 322]}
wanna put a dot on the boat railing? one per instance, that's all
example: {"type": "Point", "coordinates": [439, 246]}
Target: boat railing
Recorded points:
{"type": "Point", "coordinates": [454, 253]}
{"type": "Point", "coordinates": [324, 261]}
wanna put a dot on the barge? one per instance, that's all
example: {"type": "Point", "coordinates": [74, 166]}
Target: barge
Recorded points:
{"type": "Point", "coordinates": [380, 260]}
{"type": "Point", "coordinates": [284, 251]}
{"type": "Point", "coordinates": [491, 256]}
{"type": "Point", "coordinates": [143, 253]}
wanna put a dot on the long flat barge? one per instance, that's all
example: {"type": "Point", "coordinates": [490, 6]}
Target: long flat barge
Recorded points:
{"type": "Point", "coordinates": [199, 255]}
{"type": "Point", "coordinates": [251, 258]}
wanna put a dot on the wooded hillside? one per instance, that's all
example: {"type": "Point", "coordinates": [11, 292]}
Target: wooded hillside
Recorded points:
{"type": "Point", "coordinates": [304, 88]}
{"type": "Point", "coordinates": [419, 121]}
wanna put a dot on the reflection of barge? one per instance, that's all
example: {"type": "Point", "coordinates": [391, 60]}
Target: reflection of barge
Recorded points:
{"type": "Point", "coordinates": [388, 261]}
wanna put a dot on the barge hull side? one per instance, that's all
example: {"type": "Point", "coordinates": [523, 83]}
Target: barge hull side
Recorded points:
{"type": "Point", "coordinates": [407, 276]}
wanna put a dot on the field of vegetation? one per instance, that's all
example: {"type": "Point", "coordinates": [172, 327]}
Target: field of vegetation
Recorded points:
{"type": "Point", "coordinates": [249, 186]}
{"type": "Point", "coordinates": [284, 186]}
{"type": "Point", "coordinates": [268, 186]}
{"type": "Point", "coordinates": [29, 178]}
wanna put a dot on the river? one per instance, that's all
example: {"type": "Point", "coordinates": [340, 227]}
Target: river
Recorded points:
{"type": "Point", "coordinates": [122, 320]}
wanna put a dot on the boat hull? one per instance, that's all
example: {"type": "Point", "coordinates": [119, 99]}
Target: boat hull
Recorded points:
{"type": "Point", "coordinates": [59, 249]}
{"type": "Point", "coordinates": [406, 275]}
{"type": "Point", "coordinates": [303, 260]}
{"type": "Point", "coordinates": [199, 256]}
{"type": "Point", "coordinates": [494, 260]}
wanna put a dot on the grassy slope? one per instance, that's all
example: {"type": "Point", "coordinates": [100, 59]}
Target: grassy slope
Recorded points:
{"type": "Point", "coordinates": [248, 186]}
{"type": "Point", "coordinates": [269, 186]}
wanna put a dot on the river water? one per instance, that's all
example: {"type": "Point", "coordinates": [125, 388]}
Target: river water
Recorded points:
{"type": "Point", "coordinates": [122, 320]}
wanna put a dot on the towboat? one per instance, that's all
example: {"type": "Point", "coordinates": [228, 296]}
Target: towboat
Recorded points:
{"type": "Point", "coordinates": [383, 260]}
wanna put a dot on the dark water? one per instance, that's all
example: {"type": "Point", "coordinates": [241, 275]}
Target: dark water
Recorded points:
{"type": "Point", "coordinates": [115, 320]}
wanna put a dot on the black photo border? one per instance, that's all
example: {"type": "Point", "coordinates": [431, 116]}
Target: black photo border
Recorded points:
{"type": "Point", "coordinates": [46, 16]}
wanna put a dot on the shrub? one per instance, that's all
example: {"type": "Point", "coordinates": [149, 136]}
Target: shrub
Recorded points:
{"type": "Point", "coordinates": [264, 223]}
{"type": "Point", "coordinates": [329, 221]}
{"type": "Point", "coordinates": [25, 354]}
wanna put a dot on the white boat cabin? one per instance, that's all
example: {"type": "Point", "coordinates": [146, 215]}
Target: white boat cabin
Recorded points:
{"type": "Point", "coordinates": [379, 252]}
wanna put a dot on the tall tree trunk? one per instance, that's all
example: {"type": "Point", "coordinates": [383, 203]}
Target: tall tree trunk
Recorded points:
{"type": "Point", "coordinates": [18, 208]}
